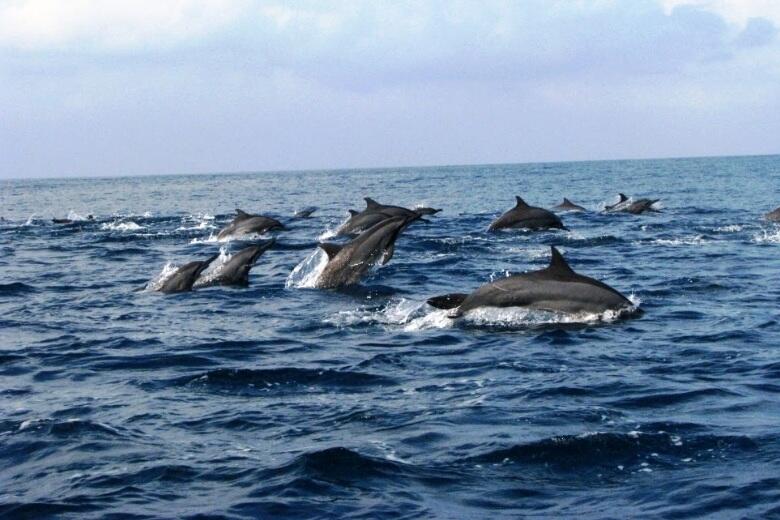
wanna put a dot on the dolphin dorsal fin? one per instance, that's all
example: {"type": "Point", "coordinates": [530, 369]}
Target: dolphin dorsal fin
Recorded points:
{"type": "Point", "coordinates": [558, 264]}
{"type": "Point", "coordinates": [330, 249]}
{"type": "Point", "coordinates": [353, 212]}
{"type": "Point", "coordinates": [372, 204]}
{"type": "Point", "coordinates": [622, 196]}
{"type": "Point", "coordinates": [567, 201]}
{"type": "Point", "coordinates": [241, 214]}
{"type": "Point", "coordinates": [520, 203]}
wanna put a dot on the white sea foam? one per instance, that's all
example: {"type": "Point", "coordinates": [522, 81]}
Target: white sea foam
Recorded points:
{"type": "Point", "coordinates": [197, 222]}
{"type": "Point", "coordinates": [213, 238]}
{"type": "Point", "coordinates": [121, 226]}
{"type": "Point", "coordinates": [306, 273]}
{"type": "Point", "coordinates": [767, 236]}
{"type": "Point", "coordinates": [731, 228]}
{"type": "Point", "coordinates": [415, 316]}
{"type": "Point", "coordinates": [695, 240]}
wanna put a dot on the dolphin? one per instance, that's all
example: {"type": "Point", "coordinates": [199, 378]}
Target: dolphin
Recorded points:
{"type": "Point", "coordinates": [349, 263]}
{"type": "Point", "coordinates": [397, 211]}
{"type": "Point", "coordinates": [245, 224]}
{"type": "Point", "coordinates": [374, 213]}
{"type": "Point", "coordinates": [359, 222]}
{"type": "Point", "coordinates": [773, 215]}
{"type": "Point", "coordinates": [66, 221]}
{"type": "Point", "coordinates": [618, 205]}
{"type": "Point", "coordinates": [305, 212]}
{"type": "Point", "coordinates": [236, 270]}
{"type": "Point", "coordinates": [568, 205]}
{"type": "Point", "coordinates": [556, 288]}
{"type": "Point", "coordinates": [184, 277]}
{"type": "Point", "coordinates": [529, 217]}
{"type": "Point", "coordinates": [624, 205]}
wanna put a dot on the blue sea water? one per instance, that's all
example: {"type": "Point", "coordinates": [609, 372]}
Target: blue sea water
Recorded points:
{"type": "Point", "coordinates": [283, 401]}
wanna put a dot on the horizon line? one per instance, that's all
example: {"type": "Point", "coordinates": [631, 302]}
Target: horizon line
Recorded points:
{"type": "Point", "coordinates": [373, 168]}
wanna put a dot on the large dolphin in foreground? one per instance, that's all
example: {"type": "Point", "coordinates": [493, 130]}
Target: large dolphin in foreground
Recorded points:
{"type": "Point", "coordinates": [528, 217]}
{"type": "Point", "coordinates": [624, 205]}
{"type": "Point", "coordinates": [349, 263]}
{"type": "Point", "coordinates": [246, 224]}
{"type": "Point", "coordinates": [556, 288]}
{"type": "Point", "coordinates": [773, 215]}
{"type": "Point", "coordinates": [375, 213]}
{"type": "Point", "coordinates": [568, 205]}
{"type": "Point", "coordinates": [185, 276]}
{"type": "Point", "coordinates": [236, 270]}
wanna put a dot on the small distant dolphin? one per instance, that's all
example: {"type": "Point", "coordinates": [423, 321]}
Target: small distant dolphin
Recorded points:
{"type": "Point", "coordinates": [528, 217]}
{"type": "Point", "coordinates": [556, 288]}
{"type": "Point", "coordinates": [236, 270]}
{"type": "Point", "coordinates": [305, 212]}
{"type": "Point", "coordinates": [347, 264]}
{"type": "Point", "coordinates": [568, 205]}
{"type": "Point", "coordinates": [70, 221]}
{"type": "Point", "coordinates": [185, 276]}
{"type": "Point", "coordinates": [634, 207]}
{"type": "Point", "coordinates": [246, 224]}
{"type": "Point", "coordinates": [773, 215]}
{"type": "Point", "coordinates": [375, 213]}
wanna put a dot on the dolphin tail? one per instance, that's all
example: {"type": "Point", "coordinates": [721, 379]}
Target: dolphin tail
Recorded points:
{"type": "Point", "coordinates": [447, 301]}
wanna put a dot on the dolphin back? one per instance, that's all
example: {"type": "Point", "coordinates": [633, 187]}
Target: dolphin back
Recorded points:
{"type": "Point", "coordinates": [447, 301]}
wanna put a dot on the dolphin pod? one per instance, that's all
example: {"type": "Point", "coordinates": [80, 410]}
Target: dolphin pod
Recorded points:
{"type": "Point", "coordinates": [555, 288]}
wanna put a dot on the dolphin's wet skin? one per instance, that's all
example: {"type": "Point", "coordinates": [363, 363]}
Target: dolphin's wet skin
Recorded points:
{"type": "Point", "coordinates": [273, 390]}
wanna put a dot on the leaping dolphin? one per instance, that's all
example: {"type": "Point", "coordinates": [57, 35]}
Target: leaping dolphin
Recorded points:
{"type": "Point", "coordinates": [185, 276]}
{"type": "Point", "coordinates": [349, 263]}
{"type": "Point", "coordinates": [245, 224]}
{"type": "Point", "coordinates": [556, 288]}
{"type": "Point", "coordinates": [236, 270]}
{"type": "Point", "coordinates": [568, 205]}
{"type": "Point", "coordinates": [624, 205]}
{"type": "Point", "coordinates": [305, 212]}
{"type": "Point", "coordinates": [528, 217]}
{"type": "Point", "coordinates": [773, 215]}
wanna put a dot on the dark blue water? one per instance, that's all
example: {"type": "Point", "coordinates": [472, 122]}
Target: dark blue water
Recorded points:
{"type": "Point", "coordinates": [284, 401]}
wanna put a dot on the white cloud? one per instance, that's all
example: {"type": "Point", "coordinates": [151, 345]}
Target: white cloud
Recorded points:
{"type": "Point", "coordinates": [111, 24]}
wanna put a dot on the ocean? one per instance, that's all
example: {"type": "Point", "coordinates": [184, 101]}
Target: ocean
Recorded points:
{"type": "Point", "coordinates": [280, 400]}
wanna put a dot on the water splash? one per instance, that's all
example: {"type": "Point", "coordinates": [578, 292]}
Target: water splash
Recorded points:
{"type": "Point", "coordinates": [121, 226]}
{"type": "Point", "coordinates": [156, 283]}
{"type": "Point", "coordinates": [306, 273]}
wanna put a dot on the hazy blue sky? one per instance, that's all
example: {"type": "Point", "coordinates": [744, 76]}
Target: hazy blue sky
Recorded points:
{"type": "Point", "coordinates": [93, 87]}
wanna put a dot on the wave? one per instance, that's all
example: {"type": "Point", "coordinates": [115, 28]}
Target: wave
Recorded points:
{"type": "Point", "coordinates": [263, 380]}
{"type": "Point", "coordinates": [633, 450]}
{"type": "Point", "coordinates": [15, 289]}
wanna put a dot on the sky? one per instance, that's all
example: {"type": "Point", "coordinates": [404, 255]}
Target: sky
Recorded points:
{"type": "Point", "coordinates": [102, 88]}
